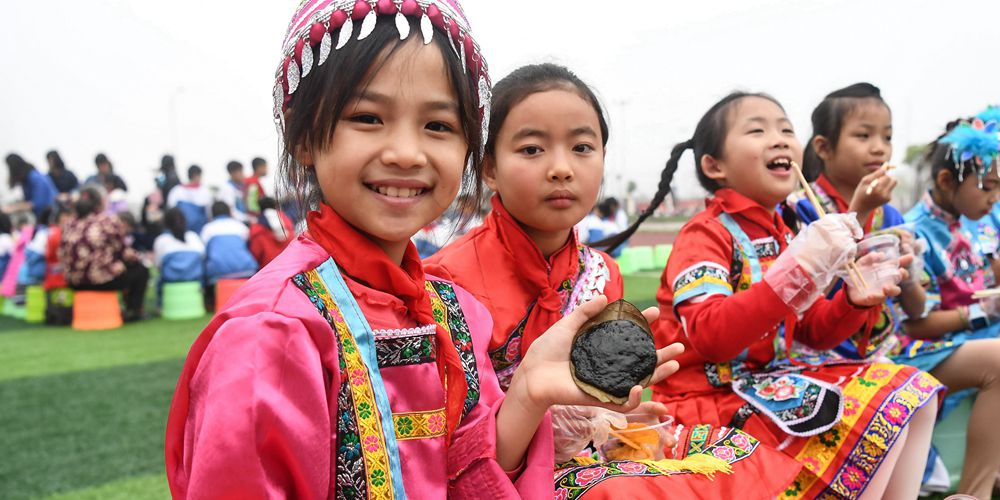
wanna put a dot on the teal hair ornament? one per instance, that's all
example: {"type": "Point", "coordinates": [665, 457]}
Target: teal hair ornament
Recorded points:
{"type": "Point", "coordinates": [977, 142]}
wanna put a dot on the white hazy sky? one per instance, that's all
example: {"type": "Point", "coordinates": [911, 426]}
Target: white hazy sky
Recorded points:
{"type": "Point", "coordinates": [136, 79]}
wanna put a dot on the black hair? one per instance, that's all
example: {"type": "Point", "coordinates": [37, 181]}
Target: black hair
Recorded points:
{"type": "Point", "coordinates": [167, 164]}
{"type": "Point", "coordinates": [6, 226]}
{"type": "Point", "coordinates": [316, 107]}
{"type": "Point", "coordinates": [828, 120]}
{"type": "Point", "coordinates": [605, 208]}
{"type": "Point", "coordinates": [532, 79]}
{"type": "Point", "coordinates": [57, 161]}
{"type": "Point", "coordinates": [43, 220]}
{"type": "Point", "coordinates": [268, 202]}
{"type": "Point", "coordinates": [193, 170]}
{"type": "Point", "coordinates": [176, 223]}
{"type": "Point", "coordinates": [102, 158]}
{"type": "Point", "coordinates": [61, 208]}
{"type": "Point", "coordinates": [91, 197]}
{"type": "Point", "coordinates": [128, 219]}
{"type": "Point", "coordinates": [257, 162]}
{"type": "Point", "coordinates": [709, 139]}
{"type": "Point", "coordinates": [220, 209]}
{"type": "Point", "coordinates": [19, 170]}
{"type": "Point", "coordinates": [234, 166]}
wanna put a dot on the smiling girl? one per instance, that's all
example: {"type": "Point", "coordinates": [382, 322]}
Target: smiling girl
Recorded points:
{"type": "Point", "coordinates": [341, 370]}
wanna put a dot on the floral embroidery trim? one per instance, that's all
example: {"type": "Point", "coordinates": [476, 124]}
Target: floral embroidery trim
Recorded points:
{"type": "Point", "coordinates": [369, 448]}
{"type": "Point", "coordinates": [405, 351]}
{"type": "Point", "coordinates": [876, 438]}
{"type": "Point", "coordinates": [573, 482]}
{"type": "Point", "coordinates": [419, 424]}
{"type": "Point", "coordinates": [448, 312]}
{"type": "Point", "coordinates": [702, 278]}
{"type": "Point", "coordinates": [590, 282]}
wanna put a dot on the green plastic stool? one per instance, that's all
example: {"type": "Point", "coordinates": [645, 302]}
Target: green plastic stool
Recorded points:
{"type": "Point", "coordinates": [626, 261]}
{"type": "Point", "coordinates": [183, 300]}
{"type": "Point", "coordinates": [949, 438]}
{"type": "Point", "coordinates": [34, 304]}
{"type": "Point", "coordinates": [13, 310]}
{"type": "Point", "coordinates": [661, 253]}
{"type": "Point", "coordinates": [644, 258]}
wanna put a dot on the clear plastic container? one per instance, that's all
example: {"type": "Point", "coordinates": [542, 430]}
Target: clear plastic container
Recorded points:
{"type": "Point", "coordinates": [878, 260]}
{"type": "Point", "coordinates": [644, 439]}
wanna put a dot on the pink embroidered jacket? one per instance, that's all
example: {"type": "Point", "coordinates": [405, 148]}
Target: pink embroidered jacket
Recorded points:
{"type": "Point", "coordinates": [255, 413]}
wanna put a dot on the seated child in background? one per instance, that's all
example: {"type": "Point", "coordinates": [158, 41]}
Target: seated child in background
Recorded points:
{"type": "Point", "coordinates": [59, 302]}
{"type": "Point", "coordinates": [271, 233]}
{"type": "Point", "coordinates": [6, 242]}
{"type": "Point", "coordinates": [178, 253]}
{"type": "Point", "coordinates": [226, 252]}
{"type": "Point", "coordinates": [192, 198]}
{"type": "Point", "coordinates": [33, 269]}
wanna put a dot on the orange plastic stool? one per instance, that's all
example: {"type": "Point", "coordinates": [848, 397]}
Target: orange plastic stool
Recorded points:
{"type": "Point", "coordinates": [224, 289]}
{"type": "Point", "coordinates": [96, 310]}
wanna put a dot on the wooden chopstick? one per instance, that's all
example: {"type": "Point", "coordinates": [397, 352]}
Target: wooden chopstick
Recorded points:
{"type": "Point", "coordinates": [871, 187]}
{"type": "Point", "coordinates": [982, 294]}
{"type": "Point", "coordinates": [852, 269]}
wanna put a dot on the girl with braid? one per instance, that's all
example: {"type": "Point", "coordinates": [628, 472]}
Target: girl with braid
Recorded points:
{"type": "Point", "coordinates": [739, 289]}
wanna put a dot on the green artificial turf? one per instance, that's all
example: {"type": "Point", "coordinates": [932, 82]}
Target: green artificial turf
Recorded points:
{"type": "Point", "coordinates": [83, 413]}
{"type": "Point", "coordinates": [640, 289]}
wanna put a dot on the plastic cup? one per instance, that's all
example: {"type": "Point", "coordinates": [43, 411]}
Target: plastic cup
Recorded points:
{"type": "Point", "coordinates": [878, 260]}
{"type": "Point", "coordinates": [649, 433]}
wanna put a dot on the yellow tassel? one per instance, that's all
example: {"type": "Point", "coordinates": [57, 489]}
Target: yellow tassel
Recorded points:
{"type": "Point", "coordinates": [698, 463]}
{"type": "Point", "coordinates": [584, 461]}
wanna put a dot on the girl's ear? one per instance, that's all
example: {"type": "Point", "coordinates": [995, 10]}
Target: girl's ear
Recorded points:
{"type": "Point", "coordinates": [712, 168]}
{"type": "Point", "coordinates": [822, 147]}
{"type": "Point", "coordinates": [945, 181]}
{"type": "Point", "coordinates": [490, 172]}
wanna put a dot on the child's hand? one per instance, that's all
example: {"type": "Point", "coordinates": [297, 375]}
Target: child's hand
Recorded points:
{"type": "Point", "coordinates": [874, 190]}
{"type": "Point", "coordinates": [544, 378]}
{"type": "Point", "coordinates": [873, 296]}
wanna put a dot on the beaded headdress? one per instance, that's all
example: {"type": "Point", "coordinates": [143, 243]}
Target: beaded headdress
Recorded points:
{"type": "Point", "coordinates": [975, 142]}
{"type": "Point", "coordinates": [321, 26]}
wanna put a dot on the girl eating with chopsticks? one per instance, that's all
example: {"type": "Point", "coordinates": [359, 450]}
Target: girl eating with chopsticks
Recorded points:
{"type": "Point", "coordinates": [738, 289]}
{"type": "Point", "coordinates": [847, 156]}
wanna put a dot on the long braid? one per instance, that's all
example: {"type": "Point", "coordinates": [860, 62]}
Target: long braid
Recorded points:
{"type": "Point", "coordinates": [662, 189]}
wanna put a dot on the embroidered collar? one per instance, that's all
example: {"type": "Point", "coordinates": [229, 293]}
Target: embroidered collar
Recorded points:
{"type": "Point", "coordinates": [936, 211]}
{"type": "Point", "coordinates": [834, 203]}
{"type": "Point", "coordinates": [830, 193]}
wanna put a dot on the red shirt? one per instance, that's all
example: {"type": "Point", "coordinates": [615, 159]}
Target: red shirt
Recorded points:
{"type": "Point", "coordinates": [525, 292]}
{"type": "Point", "coordinates": [721, 314]}
{"type": "Point", "coordinates": [54, 277]}
{"type": "Point", "coordinates": [264, 244]}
